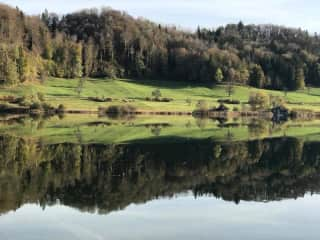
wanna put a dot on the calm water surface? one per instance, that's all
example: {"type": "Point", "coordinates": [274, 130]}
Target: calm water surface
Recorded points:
{"type": "Point", "coordinates": [180, 218]}
{"type": "Point", "coordinates": [203, 188]}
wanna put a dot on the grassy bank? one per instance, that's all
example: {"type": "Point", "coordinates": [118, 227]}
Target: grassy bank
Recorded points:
{"type": "Point", "coordinates": [185, 96]}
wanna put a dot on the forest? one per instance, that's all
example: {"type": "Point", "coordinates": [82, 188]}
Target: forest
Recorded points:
{"type": "Point", "coordinates": [104, 43]}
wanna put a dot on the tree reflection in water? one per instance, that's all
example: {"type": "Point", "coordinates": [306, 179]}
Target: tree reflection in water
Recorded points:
{"type": "Point", "coordinates": [110, 177]}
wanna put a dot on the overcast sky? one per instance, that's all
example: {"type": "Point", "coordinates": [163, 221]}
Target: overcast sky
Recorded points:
{"type": "Point", "coordinates": [191, 13]}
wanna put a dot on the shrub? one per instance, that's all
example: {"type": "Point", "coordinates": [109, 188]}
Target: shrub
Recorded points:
{"type": "Point", "coordinates": [61, 108]}
{"type": "Point", "coordinates": [35, 106]}
{"type": "Point", "coordinates": [47, 107]}
{"type": "Point", "coordinates": [156, 93]}
{"type": "Point", "coordinates": [120, 109]}
{"type": "Point", "coordinates": [159, 99]}
{"type": "Point", "coordinates": [229, 101]}
{"type": "Point", "coordinates": [259, 101]}
{"type": "Point", "coordinates": [276, 101]}
{"type": "Point", "coordinates": [97, 99]}
{"type": "Point", "coordinates": [166, 99]}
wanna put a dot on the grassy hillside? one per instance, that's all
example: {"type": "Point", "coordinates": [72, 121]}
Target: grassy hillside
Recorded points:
{"type": "Point", "coordinates": [64, 91]}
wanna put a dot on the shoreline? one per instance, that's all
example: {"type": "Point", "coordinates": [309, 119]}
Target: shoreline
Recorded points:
{"type": "Point", "coordinates": [267, 115]}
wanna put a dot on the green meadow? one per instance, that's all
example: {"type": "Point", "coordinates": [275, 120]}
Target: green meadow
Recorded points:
{"type": "Point", "coordinates": [65, 91]}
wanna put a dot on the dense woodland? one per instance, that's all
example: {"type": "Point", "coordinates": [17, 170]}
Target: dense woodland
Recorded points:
{"type": "Point", "coordinates": [108, 43]}
{"type": "Point", "coordinates": [110, 177]}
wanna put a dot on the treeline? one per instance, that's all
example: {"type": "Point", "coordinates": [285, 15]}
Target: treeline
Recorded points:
{"type": "Point", "coordinates": [30, 51]}
{"type": "Point", "coordinates": [108, 43]}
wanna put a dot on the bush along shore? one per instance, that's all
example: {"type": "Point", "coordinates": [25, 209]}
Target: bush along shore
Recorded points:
{"type": "Point", "coordinates": [220, 112]}
{"type": "Point", "coordinates": [277, 113]}
{"type": "Point", "coordinates": [35, 108]}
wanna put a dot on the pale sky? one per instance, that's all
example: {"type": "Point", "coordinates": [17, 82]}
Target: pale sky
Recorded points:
{"type": "Point", "coordinates": [191, 13]}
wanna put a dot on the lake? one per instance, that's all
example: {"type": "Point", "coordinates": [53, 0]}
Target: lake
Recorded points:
{"type": "Point", "coordinates": [86, 177]}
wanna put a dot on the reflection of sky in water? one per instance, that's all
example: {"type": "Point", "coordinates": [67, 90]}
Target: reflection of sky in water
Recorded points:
{"type": "Point", "coordinates": [179, 218]}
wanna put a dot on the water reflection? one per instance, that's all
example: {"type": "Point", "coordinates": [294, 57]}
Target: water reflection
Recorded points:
{"type": "Point", "coordinates": [106, 178]}
{"type": "Point", "coordinates": [88, 129]}
{"type": "Point", "coordinates": [181, 218]}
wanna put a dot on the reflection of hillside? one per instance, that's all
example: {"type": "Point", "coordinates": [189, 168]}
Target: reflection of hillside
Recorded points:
{"type": "Point", "coordinates": [110, 177]}
{"type": "Point", "coordinates": [157, 129]}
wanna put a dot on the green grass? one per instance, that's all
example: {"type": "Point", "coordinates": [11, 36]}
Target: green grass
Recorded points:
{"type": "Point", "coordinates": [87, 129]}
{"type": "Point", "coordinates": [63, 91]}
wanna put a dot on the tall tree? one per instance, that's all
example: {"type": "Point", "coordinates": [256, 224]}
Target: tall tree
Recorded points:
{"type": "Point", "coordinates": [8, 68]}
{"type": "Point", "coordinates": [88, 58]}
{"type": "Point", "coordinates": [299, 78]}
{"type": "Point", "coordinates": [257, 77]}
{"type": "Point", "coordinates": [75, 61]}
{"type": "Point", "coordinates": [219, 76]}
{"type": "Point", "coordinates": [22, 64]}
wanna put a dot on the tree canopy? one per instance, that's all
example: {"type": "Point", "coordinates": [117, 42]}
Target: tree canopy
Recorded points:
{"type": "Point", "coordinates": [109, 43]}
